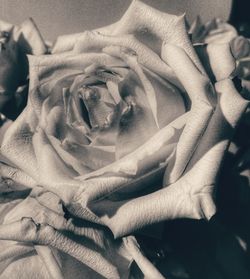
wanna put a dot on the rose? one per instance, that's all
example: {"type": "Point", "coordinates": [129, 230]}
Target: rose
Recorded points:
{"type": "Point", "coordinates": [15, 43]}
{"type": "Point", "coordinates": [219, 32]}
{"type": "Point", "coordinates": [181, 74]}
{"type": "Point", "coordinates": [124, 133]}
{"type": "Point", "coordinates": [214, 31]}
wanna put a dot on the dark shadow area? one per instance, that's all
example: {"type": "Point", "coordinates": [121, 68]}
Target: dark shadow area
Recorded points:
{"type": "Point", "coordinates": [11, 109]}
{"type": "Point", "coordinates": [198, 249]}
{"type": "Point", "coordinates": [93, 236]}
{"type": "Point", "coordinates": [218, 248]}
{"type": "Point", "coordinates": [240, 16]}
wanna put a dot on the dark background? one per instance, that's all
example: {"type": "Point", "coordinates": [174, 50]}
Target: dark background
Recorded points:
{"type": "Point", "coordinates": [240, 16]}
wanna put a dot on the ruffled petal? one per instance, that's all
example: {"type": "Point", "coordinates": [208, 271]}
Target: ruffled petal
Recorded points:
{"type": "Point", "coordinates": [95, 247]}
{"type": "Point", "coordinates": [29, 38]}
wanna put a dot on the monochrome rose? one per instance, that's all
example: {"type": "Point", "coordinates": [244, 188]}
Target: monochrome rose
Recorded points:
{"type": "Point", "coordinates": [15, 43]}
{"type": "Point", "coordinates": [125, 127]}
{"type": "Point", "coordinates": [220, 32]}
{"type": "Point", "coordinates": [213, 31]}
{"type": "Point", "coordinates": [217, 31]}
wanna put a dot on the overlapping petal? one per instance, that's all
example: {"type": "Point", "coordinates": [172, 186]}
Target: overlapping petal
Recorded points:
{"type": "Point", "coordinates": [118, 134]}
{"type": "Point", "coordinates": [15, 43]}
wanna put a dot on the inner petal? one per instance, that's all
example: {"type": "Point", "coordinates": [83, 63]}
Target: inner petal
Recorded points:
{"type": "Point", "coordinates": [98, 110]}
{"type": "Point", "coordinates": [137, 122]}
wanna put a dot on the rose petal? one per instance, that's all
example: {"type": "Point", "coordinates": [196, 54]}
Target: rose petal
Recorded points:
{"type": "Point", "coordinates": [66, 156]}
{"type": "Point", "coordinates": [131, 59]}
{"type": "Point", "coordinates": [65, 43]}
{"type": "Point", "coordinates": [218, 60]}
{"type": "Point", "coordinates": [135, 164]}
{"type": "Point", "coordinates": [221, 33]}
{"type": "Point", "coordinates": [202, 96]}
{"type": "Point", "coordinates": [93, 41]}
{"type": "Point", "coordinates": [221, 60]}
{"type": "Point", "coordinates": [170, 102]}
{"type": "Point", "coordinates": [82, 158]}
{"type": "Point", "coordinates": [137, 124]}
{"type": "Point", "coordinates": [29, 38]}
{"type": "Point", "coordinates": [162, 26]}
{"type": "Point", "coordinates": [15, 178]}
{"type": "Point", "coordinates": [240, 47]}
{"type": "Point", "coordinates": [95, 245]}
{"type": "Point", "coordinates": [220, 129]}
{"type": "Point", "coordinates": [17, 145]}
{"type": "Point", "coordinates": [193, 190]}
{"type": "Point", "coordinates": [144, 264]}
{"type": "Point", "coordinates": [52, 168]}
{"type": "Point", "coordinates": [50, 261]}
{"type": "Point", "coordinates": [16, 250]}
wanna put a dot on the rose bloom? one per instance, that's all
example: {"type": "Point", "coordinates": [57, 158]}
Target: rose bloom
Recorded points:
{"type": "Point", "coordinates": [217, 31]}
{"type": "Point", "coordinates": [15, 43]}
{"type": "Point", "coordinates": [125, 127]}
{"type": "Point", "coordinates": [213, 31]}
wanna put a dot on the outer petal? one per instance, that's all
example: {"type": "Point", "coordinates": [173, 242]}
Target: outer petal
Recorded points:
{"type": "Point", "coordinates": [98, 250]}
{"type": "Point", "coordinates": [29, 38]}
{"type": "Point", "coordinates": [146, 23]}
{"type": "Point", "coordinates": [191, 195]}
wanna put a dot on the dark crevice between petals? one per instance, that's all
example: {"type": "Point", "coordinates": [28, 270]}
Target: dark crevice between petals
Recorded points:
{"type": "Point", "coordinates": [137, 123]}
{"type": "Point", "coordinates": [84, 112]}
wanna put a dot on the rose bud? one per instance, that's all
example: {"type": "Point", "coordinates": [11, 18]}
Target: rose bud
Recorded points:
{"type": "Point", "coordinates": [15, 43]}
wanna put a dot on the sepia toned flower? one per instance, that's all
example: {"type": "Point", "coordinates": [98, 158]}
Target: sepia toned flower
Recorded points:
{"type": "Point", "coordinates": [213, 31]}
{"type": "Point", "coordinates": [125, 127]}
{"type": "Point", "coordinates": [15, 43]}
{"type": "Point", "coordinates": [217, 32]}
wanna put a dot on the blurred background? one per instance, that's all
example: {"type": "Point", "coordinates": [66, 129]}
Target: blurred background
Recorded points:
{"type": "Point", "coordinates": [56, 17]}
